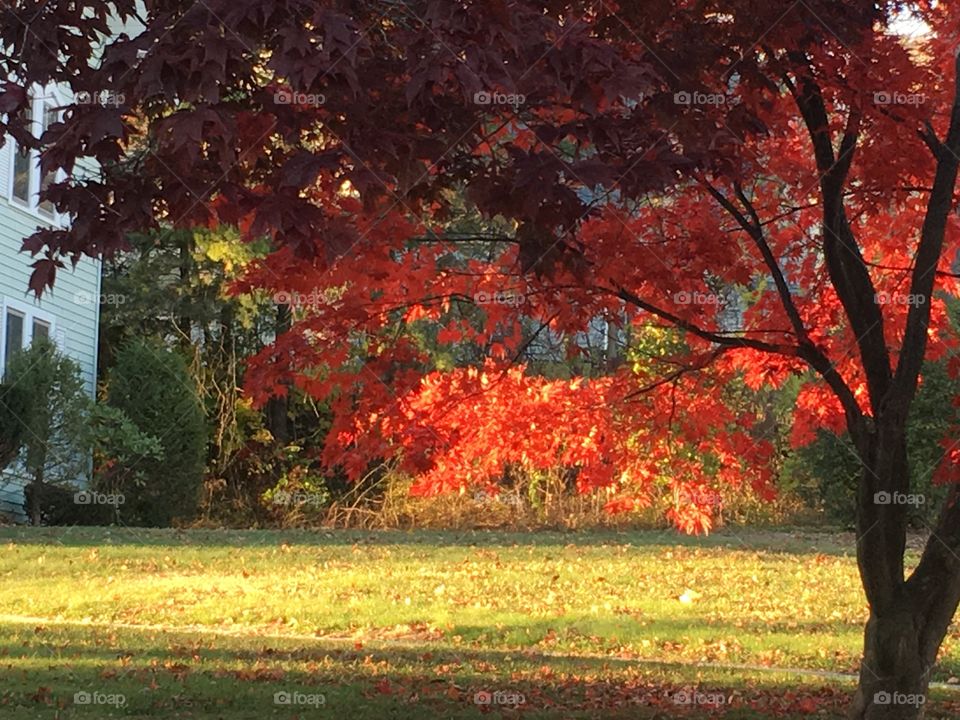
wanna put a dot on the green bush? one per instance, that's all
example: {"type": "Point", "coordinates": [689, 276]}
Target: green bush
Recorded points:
{"type": "Point", "coordinates": [14, 406]}
{"type": "Point", "coordinates": [57, 505]}
{"type": "Point", "coordinates": [827, 471]}
{"type": "Point", "coordinates": [152, 386]}
{"type": "Point", "coordinates": [55, 451]}
{"type": "Point", "coordinates": [118, 448]}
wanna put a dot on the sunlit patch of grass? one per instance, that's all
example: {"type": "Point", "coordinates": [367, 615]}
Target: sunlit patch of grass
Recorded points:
{"type": "Point", "coordinates": [446, 612]}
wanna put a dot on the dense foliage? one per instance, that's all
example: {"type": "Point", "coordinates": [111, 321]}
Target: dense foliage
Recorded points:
{"type": "Point", "coordinates": [54, 451]}
{"type": "Point", "coordinates": [14, 405]}
{"type": "Point", "coordinates": [150, 385]}
{"type": "Point", "coordinates": [774, 185]}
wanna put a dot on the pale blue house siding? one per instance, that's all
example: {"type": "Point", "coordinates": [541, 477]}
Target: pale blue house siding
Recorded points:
{"type": "Point", "coordinates": [72, 307]}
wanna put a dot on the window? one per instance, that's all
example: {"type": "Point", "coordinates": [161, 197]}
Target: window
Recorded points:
{"type": "Point", "coordinates": [22, 324]}
{"type": "Point", "coordinates": [49, 117]}
{"type": "Point", "coordinates": [21, 169]}
{"type": "Point", "coordinates": [13, 337]}
{"type": "Point", "coordinates": [41, 330]}
{"type": "Point", "coordinates": [27, 182]}
{"type": "Point", "coordinates": [21, 175]}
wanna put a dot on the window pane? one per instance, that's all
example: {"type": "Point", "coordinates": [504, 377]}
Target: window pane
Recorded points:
{"type": "Point", "coordinates": [50, 116]}
{"type": "Point", "coordinates": [22, 167]}
{"type": "Point", "coordinates": [40, 330]}
{"type": "Point", "coordinates": [21, 175]}
{"type": "Point", "coordinates": [13, 341]}
{"type": "Point", "coordinates": [46, 207]}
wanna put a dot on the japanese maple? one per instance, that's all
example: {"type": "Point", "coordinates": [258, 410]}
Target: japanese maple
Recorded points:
{"type": "Point", "coordinates": [773, 184]}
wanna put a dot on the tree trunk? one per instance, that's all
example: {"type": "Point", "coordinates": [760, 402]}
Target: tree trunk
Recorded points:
{"type": "Point", "coordinates": [909, 618]}
{"type": "Point", "coordinates": [35, 507]}
{"type": "Point", "coordinates": [36, 496]}
{"type": "Point", "coordinates": [277, 411]}
{"type": "Point", "coordinates": [894, 674]}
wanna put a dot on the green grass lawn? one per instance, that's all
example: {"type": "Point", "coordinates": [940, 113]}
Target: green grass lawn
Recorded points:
{"type": "Point", "coordinates": [212, 624]}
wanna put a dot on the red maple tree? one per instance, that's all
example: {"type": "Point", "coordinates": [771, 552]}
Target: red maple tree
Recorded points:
{"type": "Point", "coordinates": [649, 163]}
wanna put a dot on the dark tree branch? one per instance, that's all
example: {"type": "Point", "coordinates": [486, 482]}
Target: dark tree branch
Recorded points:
{"type": "Point", "coordinates": [806, 349]}
{"type": "Point", "coordinates": [934, 586]}
{"type": "Point", "coordinates": [693, 329]}
{"type": "Point", "coordinates": [466, 238]}
{"type": "Point", "coordinates": [678, 373]}
{"type": "Point", "coordinates": [845, 262]}
{"type": "Point", "coordinates": [939, 204]}
{"type": "Point", "coordinates": [753, 228]}
{"type": "Point", "coordinates": [525, 345]}
{"type": "Point", "coordinates": [905, 270]}
{"type": "Point", "coordinates": [929, 137]}
{"type": "Point", "coordinates": [881, 447]}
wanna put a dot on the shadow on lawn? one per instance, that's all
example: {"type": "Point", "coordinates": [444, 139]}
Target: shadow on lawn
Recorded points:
{"type": "Point", "coordinates": [201, 677]}
{"type": "Point", "coordinates": [235, 684]}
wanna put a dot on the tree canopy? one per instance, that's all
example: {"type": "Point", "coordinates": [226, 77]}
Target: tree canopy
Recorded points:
{"type": "Point", "coordinates": [738, 190]}
{"type": "Point", "coordinates": [721, 168]}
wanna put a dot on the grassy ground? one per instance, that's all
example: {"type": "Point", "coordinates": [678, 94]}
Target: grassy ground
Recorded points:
{"type": "Point", "coordinates": [212, 624]}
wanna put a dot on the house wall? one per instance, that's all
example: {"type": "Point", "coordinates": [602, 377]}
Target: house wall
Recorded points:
{"type": "Point", "coordinates": [72, 307]}
{"type": "Point", "coordinates": [73, 302]}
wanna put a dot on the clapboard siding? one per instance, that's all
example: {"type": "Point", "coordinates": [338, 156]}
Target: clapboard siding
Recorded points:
{"type": "Point", "coordinates": [73, 305]}
{"type": "Point", "coordinates": [73, 300]}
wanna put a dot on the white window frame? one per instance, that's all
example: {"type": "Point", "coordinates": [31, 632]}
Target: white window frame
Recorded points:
{"type": "Point", "coordinates": [29, 313]}
{"type": "Point", "coordinates": [41, 99]}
